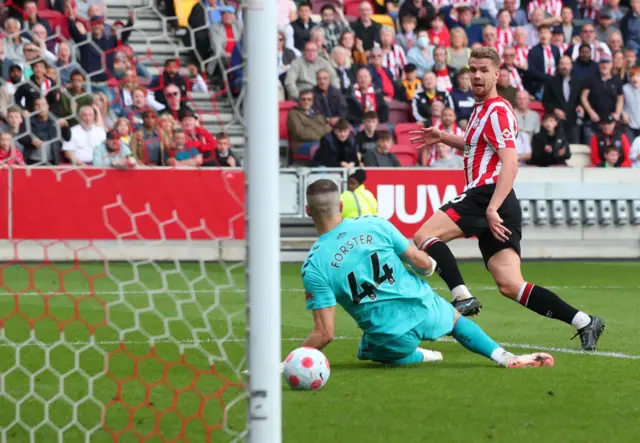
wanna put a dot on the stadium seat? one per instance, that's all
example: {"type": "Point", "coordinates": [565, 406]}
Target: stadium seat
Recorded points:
{"type": "Point", "coordinates": [541, 212]}
{"type": "Point", "coordinates": [537, 106]}
{"type": "Point", "coordinates": [606, 212]}
{"type": "Point", "coordinates": [558, 216]}
{"type": "Point", "coordinates": [635, 212]}
{"type": "Point", "coordinates": [621, 212]}
{"type": "Point", "coordinates": [383, 20]}
{"type": "Point", "coordinates": [590, 216]}
{"type": "Point", "coordinates": [406, 154]}
{"type": "Point", "coordinates": [399, 112]}
{"type": "Point", "coordinates": [402, 132]}
{"type": "Point", "coordinates": [525, 205]}
{"type": "Point", "coordinates": [56, 20]}
{"type": "Point", "coordinates": [574, 213]}
{"type": "Point", "coordinates": [283, 111]}
{"type": "Point", "coordinates": [316, 5]}
{"type": "Point", "coordinates": [351, 7]}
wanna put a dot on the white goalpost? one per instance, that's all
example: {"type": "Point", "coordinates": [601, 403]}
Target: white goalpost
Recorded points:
{"type": "Point", "coordinates": [264, 413]}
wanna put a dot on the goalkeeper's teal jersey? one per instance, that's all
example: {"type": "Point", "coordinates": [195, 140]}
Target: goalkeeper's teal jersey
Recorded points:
{"type": "Point", "coordinates": [357, 265]}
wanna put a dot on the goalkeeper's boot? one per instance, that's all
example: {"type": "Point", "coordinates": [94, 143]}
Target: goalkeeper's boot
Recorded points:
{"type": "Point", "coordinates": [590, 334]}
{"type": "Point", "coordinates": [535, 360]}
{"type": "Point", "coordinates": [467, 307]}
{"type": "Point", "coordinates": [430, 355]}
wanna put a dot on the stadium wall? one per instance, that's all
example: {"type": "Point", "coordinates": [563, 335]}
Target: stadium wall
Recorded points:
{"type": "Point", "coordinates": [165, 214]}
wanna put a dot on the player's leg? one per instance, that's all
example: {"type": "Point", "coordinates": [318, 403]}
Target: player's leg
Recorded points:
{"type": "Point", "coordinates": [402, 350]}
{"type": "Point", "coordinates": [504, 266]}
{"type": "Point", "coordinates": [432, 238]}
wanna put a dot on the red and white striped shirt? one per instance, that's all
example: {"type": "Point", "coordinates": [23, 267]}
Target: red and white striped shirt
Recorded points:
{"type": "Point", "coordinates": [551, 7]}
{"type": "Point", "coordinates": [522, 54]}
{"type": "Point", "coordinates": [514, 79]}
{"type": "Point", "coordinates": [591, 8]}
{"type": "Point", "coordinates": [505, 37]}
{"type": "Point", "coordinates": [394, 60]}
{"type": "Point", "coordinates": [563, 47]}
{"type": "Point", "coordinates": [549, 60]}
{"type": "Point", "coordinates": [454, 129]}
{"type": "Point", "coordinates": [492, 126]}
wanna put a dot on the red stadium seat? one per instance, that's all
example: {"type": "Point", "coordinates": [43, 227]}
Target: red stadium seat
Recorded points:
{"type": "Point", "coordinates": [351, 7]}
{"type": "Point", "coordinates": [316, 5]}
{"type": "Point", "coordinates": [407, 154]}
{"type": "Point", "coordinates": [57, 21]}
{"type": "Point", "coordinates": [537, 106]}
{"type": "Point", "coordinates": [399, 112]}
{"type": "Point", "coordinates": [402, 132]}
{"type": "Point", "coordinates": [283, 111]}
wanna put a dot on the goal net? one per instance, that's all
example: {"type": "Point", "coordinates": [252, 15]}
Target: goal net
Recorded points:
{"type": "Point", "coordinates": [122, 290]}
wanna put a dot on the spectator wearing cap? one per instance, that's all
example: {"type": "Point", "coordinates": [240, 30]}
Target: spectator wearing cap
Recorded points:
{"type": "Point", "coordinates": [602, 96]}
{"type": "Point", "coordinates": [226, 33]}
{"type": "Point", "coordinates": [421, 9]}
{"type": "Point", "coordinates": [102, 46]}
{"type": "Point", "coordinates": [465, 17]}
{"type": "Point", "coordinates": [411, 83]}
{"type": "Point", "coordinates": [328, 100]}
{"type": "Point", "coordinates": [357, 201]}
{"type": "Point", "coordinates": [44, 146]}
{"type": "Point", "coordinates": [421, 54]}
{"type": "Point", "coordinates": [365, 28]}
{"type": "Point", "coordinates": [147, 143]}
{"type": "Point", "coordinates": [365, 98]}
{"type": "Point", "coordinates": [303, 71]}
{"type": "Point", "coordinates": [170, 75]}
{"type": "Point", "coordinates": [605, 26]}
{"type": "Point", "coordinates": [113, 153]}
{"type": "Point", "coordinates": [302, 26]}
{"type": "Point", "coordinates": [39, 85]}
{"type": "Point", "coordinates": [631, 112]}
{"type": "Point", "coordinates": [9, 154]}
{"type": "Point", "coordinates": [334, 24]}
{"type": "Point", "coordinates": [74, 97]}
{"type": "Point", "coordinates": [85, 136]}
{"type": "Point", "coordinates": [609, 133]}
{"type": "Point", "coordinates": [381, 77]}
{"type": "Point", "coordinates": [562, 98]}
{"type": "Point", "coordinates": [306, 125]}
{"type": "Point", "coordinates": [557, 40]}
{"type": "Point", "coordinates": [543, 60]}
{"type": "Point", "coordinates": [381, 157]}
{"type": "Point", "coordinates": [199, 137]}
{"type": "Point", "coordinates": [630, 26]}
{"type": "Point", "coordinates": [338, 148]}
{"type": "Point", "coordinates": [224, 155]}
{"type": "Point", "coordinates": [182, 154]}
{"type": "Point", "coordinates": [549, 146]}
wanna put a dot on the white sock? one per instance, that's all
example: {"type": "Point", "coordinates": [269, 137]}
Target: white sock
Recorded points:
{"type": "Point", "coordinates": [460, 292]}
{"type": "Point", "coordinates": [580, 320]}
{"type": "Point", "coordinates": [501, 356]}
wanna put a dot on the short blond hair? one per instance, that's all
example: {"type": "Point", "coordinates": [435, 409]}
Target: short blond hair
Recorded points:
{"type": "Point", "coordinates": [485, 52]}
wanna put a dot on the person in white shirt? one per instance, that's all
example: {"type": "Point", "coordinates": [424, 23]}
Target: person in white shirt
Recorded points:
{"type": "Point", "coordinates": [85, 136]}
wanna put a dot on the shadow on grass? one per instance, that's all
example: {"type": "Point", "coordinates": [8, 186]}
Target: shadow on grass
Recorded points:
{"type": "Point", "coordinates": [358, 366]}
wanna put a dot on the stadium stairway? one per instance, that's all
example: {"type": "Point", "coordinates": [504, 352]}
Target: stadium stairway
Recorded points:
{"type": "Point", "coordinates": [154, 42]}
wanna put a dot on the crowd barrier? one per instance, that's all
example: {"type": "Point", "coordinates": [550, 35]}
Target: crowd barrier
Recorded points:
{"type": "Point", "coordinates": [178, 213]}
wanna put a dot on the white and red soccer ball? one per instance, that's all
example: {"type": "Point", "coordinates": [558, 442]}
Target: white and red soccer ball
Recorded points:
{"type": "Point", "coordinates": [306, 369]}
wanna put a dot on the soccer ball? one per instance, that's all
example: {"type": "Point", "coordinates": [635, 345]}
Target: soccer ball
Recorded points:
{"type": "Point", "coordinates": [306, 369]}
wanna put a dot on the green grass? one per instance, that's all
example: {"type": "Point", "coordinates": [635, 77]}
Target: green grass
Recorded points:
{"type": "Point", "coordinates": [171, 389]}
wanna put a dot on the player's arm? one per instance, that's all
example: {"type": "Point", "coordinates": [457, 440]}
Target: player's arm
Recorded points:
{"type": "Point", "coordinates": [429, 136]}
{"type": "Point", "coordinates": [324, 321]}
{"type": "Point", "coordinates": [419, 261]}
{"type": "Point", "coordinates": [455, 141]}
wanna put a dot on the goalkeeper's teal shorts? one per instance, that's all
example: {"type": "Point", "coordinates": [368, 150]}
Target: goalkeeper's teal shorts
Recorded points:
{"type": "Point", "coordinates": [437, 323]}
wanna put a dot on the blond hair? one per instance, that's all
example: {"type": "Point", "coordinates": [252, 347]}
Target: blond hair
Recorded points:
{"type": "Point", "coordinates": [485, 52]}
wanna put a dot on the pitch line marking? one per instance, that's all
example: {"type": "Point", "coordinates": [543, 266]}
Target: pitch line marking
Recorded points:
{"type": "Point", "coordinates": [30, 343]}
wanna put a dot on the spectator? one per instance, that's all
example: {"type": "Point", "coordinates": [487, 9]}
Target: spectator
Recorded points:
{"type": "Point", "coordinates": [634, 156]}
{"type": "Point", "coordinates": [225, 33]}
{"type": "Point", "coordinates": [39, 85]}
{"type": "Point", "coordinates": [357, 201]}
{"type": "Point", "coordinates": [504, 88]}
{"type": "Point", "coordinates": [182, 154]}
{"type": "Point", "coordinates": [367, 138]}
{"type": "Point", "coordinates": [504, 31]}
{"type": "Point", "coordinates": [357, 53]}
{"type": "Point", "coordinates": [33, 53]}
{"type": "Point", "coordinates": [303, 71]}
{"type": "Point", "coordinates": [6, 99]}
{"type": "Point", "coordinates": [175, 104]}
{"type": "Point", "coordinates": [74, 97]}
{"type": "Point", "coordinates": [562, 98]}
{"type": "Point", "coordinates": [465, 17]}
{"type": "Point", "coordinates": [630, 26]}
{"type": "Point", "coordinates": [631, 112]}
{"type": "Point", "coordinates": [515, 71]}
{"type": "Point", "coordinates": [123, 129]}
{"type": "Point", "coordinates": [13, 43]}
{"type": "Point", "coordinates": [199, 137]}
{"type": "Point", "coordinates": [138, 107]}
{"type": "Point", "coordinates": [17, 129]}
{"type": "Point", "coordinates": [406, 38]}
{"type": "Point", "coordinates": [604, 28]}
{"type": "Point", "coordinates": [448, 123]}
{"type": "Point", "coordinates": [302, 26]}
{"type": "Point", "coordinates": [85, 136]}
{"type": "Point", "coordinates": [551, 8]}
{"type": "Point", "coordinates": [543, 59]}
{"type": "Point", "coordinates": [365, 28]}
{"type": "Point", "coordinates": [9, 154]}
{"type": "Point", "coordinates": [147, 143]}
{"type": "Point", "coordinates": [523, 148]}
{"type": "Point", "coordinates": [518, 16]}
{"type": "Point", "coordinates": [5, 62]}
{"type": "Point", "coordinates": [436, 113]}
{"type": "Point", "coordinates": [616, 11]}
{"type": "Point", "coordinates": [338, 148]}
{"type": "Point", "coordinates": [566, 24]}
{"type": "Point", "coordinates": [203, 15]}
{"type": "Point", "coordinates": [224, 155]}
{"type": "Point", "coordinates": [40, 37]}
{"type": "Point", "coordinates": [382, 157]}
{"type": "Point", "coordinates": [381, 77]}
{"type": "Point", "coordinates": [91, 58]}
{"type": "Point", "coordinates": [445, 75]}
{"type": "Point", "coordinates": [411, 83]}
{"type": "Point", "coordinates": [340, 60]}
{"type": "Point", "coordinates": [615, 41]}
{"type": "Point", "coordinates": [306, 126]}
{"type": "Point", "coordinates": [630, 58]}
{"type": "Point", "coordinates": [317, 36]}
{"type": "Point", "coordinates": [463, 99]}
{"type": "Point", "coordinates": [588, 37]}
{"type": "Point", "coordinates": [611, 158]}
{"type": "Point", "coordinates": [423, 100]}
{"type": "Point", "coordinates": [584, 67]}
{"type": "Point", "coordinates": [286, 56]}
{"type": "Point", "coordinates": [423, 11]}
{"type": "Point", "coordinates": [438, 33]}
{"type": "Point", "coordinates": [446, 159]}
{"type": "Point", "coordinates": [458, 54]}
{"type": "Point", "coordinates": [106, 114]}
{"type": "Point", "coordinates": [44, 146]}
{"type": "Point", "coordinates": [528, 120]}
{"type": "Point", "coordinates": [31, 18]}
{"type": "Point", "coordinates": [619, 68]}
{"type": "Point", "coordinates": [328, 100]}
{"type": "Point", "coordinates": [334, 24]}
{"type": "Point", "coordinates": [65, 64]}
{"type": "Point", "coordinates": [365, 99]}
{"type": "Point", "coordinates": [490, 39]}
{"type": "Point", "coordinates": [521, 46]}
{"type": "Point", "coordinates": [549, 146]}
{"type": "Point", "coordinates": [393, 56]}
{"type": "Point", "coordinates": [557, 40]}
{"type": "Point", "coordinates": [113, 153]}
{"type": "Point", "coordinates": [195, 82]}
{"type": "Point", "coordinates": [170, 75]}
{"type": "Point", "coordinates": [608, 133]}
{"type": "Point", "coordinates": [602, 96]}
{"type": "Point", "coordinates": [536, 18]}
{"type": "Point", "coordinates": [422, 54]}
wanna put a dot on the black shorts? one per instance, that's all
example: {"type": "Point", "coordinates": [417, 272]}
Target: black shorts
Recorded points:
{"type": "Point", "coordinates": [468, 211]}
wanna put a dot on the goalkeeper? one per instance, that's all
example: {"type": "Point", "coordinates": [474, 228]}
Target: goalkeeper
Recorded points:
{"type": "Point", "coordinates": [359, 264]}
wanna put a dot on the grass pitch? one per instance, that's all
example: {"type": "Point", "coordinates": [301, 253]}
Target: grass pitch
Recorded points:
{"type": "Point", "coordinates": [76, 360]}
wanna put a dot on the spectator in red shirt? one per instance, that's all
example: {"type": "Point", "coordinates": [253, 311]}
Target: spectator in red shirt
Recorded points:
{"type": "Point", "coordinates": [9, 155]}
{"type": "Point", "coordinates": [365, 99]}
{"type": "Point", "coordinates": [609, 134]}
{"type": "Point", "coordinates": [225, 34]}
{"type": "Point", "coordinates": [202, 139]}
{"type": "Point", "coordinates": [439, 34]}
{"type": "Point", "coordinates": [382, 78]}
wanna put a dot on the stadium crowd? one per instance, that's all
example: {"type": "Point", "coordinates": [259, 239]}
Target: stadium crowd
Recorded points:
{"type": "Point", "coordinates": [355, 78]}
